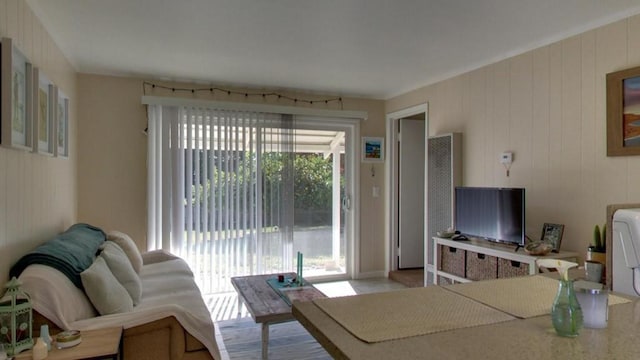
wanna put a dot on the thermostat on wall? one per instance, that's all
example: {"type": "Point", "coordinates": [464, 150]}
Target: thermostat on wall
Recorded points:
{"type": "Point", "coordinates": [506, 158]}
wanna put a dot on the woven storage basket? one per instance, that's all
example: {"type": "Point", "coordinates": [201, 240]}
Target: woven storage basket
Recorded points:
{"type": "Point", "coordinates": [452, 260]}
{"type": "Point", "coordinates": [481, 266]}
{"type": "Point", "coordinates": [509, 268]}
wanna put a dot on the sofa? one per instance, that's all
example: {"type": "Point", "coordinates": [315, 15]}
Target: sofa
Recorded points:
{"type": "Point", "coordinates": [107, 282]}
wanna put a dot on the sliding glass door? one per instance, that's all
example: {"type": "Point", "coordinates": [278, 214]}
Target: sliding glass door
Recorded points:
{"type": "Point", "coordinates": [246, 191]}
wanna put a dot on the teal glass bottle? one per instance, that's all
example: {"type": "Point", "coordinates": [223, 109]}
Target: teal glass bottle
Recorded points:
{"type": "Point", "coordinates": [566, 314]}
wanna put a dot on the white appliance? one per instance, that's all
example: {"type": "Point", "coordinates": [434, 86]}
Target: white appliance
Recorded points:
{"type": "Point", "coordinates": [626, 251]}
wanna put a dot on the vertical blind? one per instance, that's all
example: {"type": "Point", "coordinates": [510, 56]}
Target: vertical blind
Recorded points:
{"type": "Point", "coordinates": [220, 190]}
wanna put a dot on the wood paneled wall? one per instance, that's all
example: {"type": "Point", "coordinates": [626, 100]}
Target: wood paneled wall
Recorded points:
{"type": "Point", "coordinates": [547, 106]}
{"type": "Point", "coordinates": [37, 192]}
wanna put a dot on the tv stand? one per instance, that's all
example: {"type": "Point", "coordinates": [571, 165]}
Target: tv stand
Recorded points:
{"type": "Point", "coordinates": [472, 260]}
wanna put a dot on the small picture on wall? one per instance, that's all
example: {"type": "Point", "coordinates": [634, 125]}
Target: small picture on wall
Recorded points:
{"type": "Point", "coordinates": [552, 233]}
{"type": "Point", "coordinates": [372, 149]}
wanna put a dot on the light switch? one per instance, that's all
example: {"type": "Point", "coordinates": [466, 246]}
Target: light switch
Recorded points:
{"type": "Point", "coordinates": [376, 191]}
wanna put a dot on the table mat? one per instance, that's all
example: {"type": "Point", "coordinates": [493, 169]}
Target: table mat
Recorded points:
{"type": "Point", "coordinates": [409, 312]}
{"type": "Point", "coordinates": [522, 297]}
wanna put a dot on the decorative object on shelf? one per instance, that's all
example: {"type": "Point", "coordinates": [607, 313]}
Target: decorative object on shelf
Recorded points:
{"type": "Point", "coordinates": [15, 319]}
{"type": "Point", "coordinates": [44, 334]}
{"type": "Point", "coordinates": [597, 251]}
{"type": "Point", "coordinates": [538, 248]}
{"type": "Point", "coordinates": [552, 233]}
{"type": "Point", "coordinates": [17, 83]}
{"type": "Point", "coordinates": [623, 118]}
{"type": "Point", "coordinates": [40, 351]}
{"type": "Point", "coordinates": [445, 234]}
{"type": "Point", "coordinates": [67, 339]}
{"type": "Point", "coordinates": [566, 313]}
{"type": "Point", "coordinates": [372, 149]}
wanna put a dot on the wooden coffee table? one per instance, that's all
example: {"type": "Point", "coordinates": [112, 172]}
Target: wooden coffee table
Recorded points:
{"type": "Point", "coordinates": [265, 305]}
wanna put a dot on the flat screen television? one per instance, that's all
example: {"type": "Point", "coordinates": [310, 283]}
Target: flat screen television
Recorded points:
{"type": "Point", "coordinates": [495, 214]}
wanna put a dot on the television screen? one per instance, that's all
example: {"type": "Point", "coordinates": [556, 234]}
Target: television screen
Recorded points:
{"type": "Point", "coordinates": [495, 214]}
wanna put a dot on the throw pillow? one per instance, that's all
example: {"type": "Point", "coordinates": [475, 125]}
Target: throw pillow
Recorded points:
{"type": "Point", "coordinates": [122, 269]}
{"type": "Point", "coordinates": [129, 246]}
{"type": "Point", "coordinates": [107, 295]}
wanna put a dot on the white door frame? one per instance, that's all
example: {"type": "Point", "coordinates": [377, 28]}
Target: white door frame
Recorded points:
{"type": "Point", "coordinates": [391, 175]}
{"type": "Point", "coordinates": [351, 128]}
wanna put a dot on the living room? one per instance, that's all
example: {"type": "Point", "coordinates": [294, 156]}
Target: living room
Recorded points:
{"type": "Point", "coordinates": [546, 104]}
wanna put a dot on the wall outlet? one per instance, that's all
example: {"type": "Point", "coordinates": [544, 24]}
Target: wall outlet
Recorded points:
{"type": "Point", "coordinates": [506, 158]}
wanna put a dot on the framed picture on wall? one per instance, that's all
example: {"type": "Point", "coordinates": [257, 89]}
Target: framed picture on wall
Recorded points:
{"type": "Point", "coordinates": [62, 125]}
{"type": "Point", "coordinates": [16, 87]}
{"type": "Point", "coordinates": [623, 112]}
{"type": "Point", "coordinates": [43, 129]}
{"type": "Point", "coordinates": [552, 233]}
{"type": "Point", "coordinates": [372, 149]}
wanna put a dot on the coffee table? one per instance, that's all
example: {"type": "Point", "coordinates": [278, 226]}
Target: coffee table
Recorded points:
{"type": "Point", "coordinates": [265, 305]}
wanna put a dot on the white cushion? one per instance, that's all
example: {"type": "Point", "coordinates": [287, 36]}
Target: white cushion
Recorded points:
{"type": "Point", "coordinates": [129, 246]}
{"type": "Point", "coordinates": [122, 269]}
{"type": "Point", "coordinates": [103, 289]}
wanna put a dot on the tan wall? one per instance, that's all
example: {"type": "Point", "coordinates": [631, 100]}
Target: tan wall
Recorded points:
{"type": "Point", "coordinates": [548, 107]}
{"type": "Point", "coordinates": [37, 193]}
{"type": "Point", "coordinates": [112, 161]}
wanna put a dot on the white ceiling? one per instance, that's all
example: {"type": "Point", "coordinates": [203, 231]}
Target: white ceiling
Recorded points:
{"type": "Point", "coordinates": [366, 48]}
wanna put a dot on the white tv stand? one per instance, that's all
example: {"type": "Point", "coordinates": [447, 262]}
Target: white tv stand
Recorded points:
{"type": "Point", "coordinates": [505, 255]}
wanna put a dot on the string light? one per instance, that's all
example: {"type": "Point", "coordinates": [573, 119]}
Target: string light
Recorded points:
{"type": "Point", "coordinates": [295, 100]}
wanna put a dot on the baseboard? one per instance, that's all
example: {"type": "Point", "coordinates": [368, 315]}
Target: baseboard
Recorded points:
{"type": "Point", "coordinates": [371, 274]}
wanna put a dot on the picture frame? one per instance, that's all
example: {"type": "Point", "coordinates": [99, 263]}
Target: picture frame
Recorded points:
{"type": "Point", "coordinates": [16, 87]}
{"type": "Point", "coordinates": [61, 147]}
{"type": "Point", "coordinates": [372, 149]}
{"type": "Point", "coordinates": [623, 112]}
{"type": "Point", "coordinates": [552, 233]}
{"type": "Point", "coordinates": [44, 115]}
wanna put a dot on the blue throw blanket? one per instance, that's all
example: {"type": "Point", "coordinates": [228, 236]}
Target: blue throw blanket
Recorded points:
{"type": "Point", "coordinates": [71, 252]}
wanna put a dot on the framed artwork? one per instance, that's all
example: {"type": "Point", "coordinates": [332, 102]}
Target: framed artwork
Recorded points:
{"type": "Point", "coordinates": [16, 86]}
{"type": "Point", "coordinates": [43, 129]}
{"type": "Point", "coordinates": [372, 149]}
{"type": "Point", "coordinates": [62, 125]}
{"type": "Point", "coordinates": [552, 233]}
{"type": "Point", "coordinates": [623, 112]}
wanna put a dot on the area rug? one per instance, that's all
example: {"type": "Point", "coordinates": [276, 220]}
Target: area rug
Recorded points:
{"type": "Point", "coordinates": [287, 341]}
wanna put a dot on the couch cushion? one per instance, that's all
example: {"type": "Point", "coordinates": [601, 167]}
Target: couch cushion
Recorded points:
{"type": "Point", "coordinates": [122, 269]}
{"type": "Point", "coordinates": [103, 289]}
{"type": "Point", "coordinates": [129, 246]}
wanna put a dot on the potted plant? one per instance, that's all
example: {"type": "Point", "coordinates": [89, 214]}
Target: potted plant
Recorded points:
{"type": "Point", "coordinates": [597, 251]}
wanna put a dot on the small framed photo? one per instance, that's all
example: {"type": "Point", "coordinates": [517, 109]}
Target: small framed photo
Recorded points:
{"type": "Point", "coordinates": [372, 149]}
{"type": "Point", "coordinates": [552, 233]}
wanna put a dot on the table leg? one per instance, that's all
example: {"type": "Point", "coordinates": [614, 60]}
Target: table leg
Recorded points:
{"type": "Point", "coordinates": [265, 341]}
{"type": "Point", "coordinates": [239, 306]}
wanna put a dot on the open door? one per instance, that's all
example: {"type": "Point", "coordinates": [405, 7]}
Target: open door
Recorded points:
{"type": "Point", "coordinates": [411, 160]}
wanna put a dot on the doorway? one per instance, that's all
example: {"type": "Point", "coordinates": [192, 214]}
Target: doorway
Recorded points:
{"type": "Point", "coordinates": [393, 173]}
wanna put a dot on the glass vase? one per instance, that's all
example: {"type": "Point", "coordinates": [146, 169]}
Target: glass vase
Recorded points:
{"type": "Point", "coordinates": [566, 314]}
